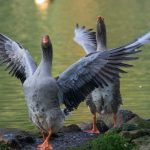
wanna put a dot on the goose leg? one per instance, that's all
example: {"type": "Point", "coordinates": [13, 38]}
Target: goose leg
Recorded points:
{"type": "Point", "coordinates": [94, 130]}
{"type": "Point", "coordinates": [115, 119]}
{"type": "Point", "coordinates": [44, 135]}
{"type": "Point", "coordinates": [45, 145]}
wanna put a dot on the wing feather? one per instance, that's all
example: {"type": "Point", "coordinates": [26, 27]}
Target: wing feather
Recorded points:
{"type": "Point", "coordinates": [94, 70]}
{"type": "Point", "coordinates": [17, 59]}
{"type": "Point", "coordinates": [85, 38]}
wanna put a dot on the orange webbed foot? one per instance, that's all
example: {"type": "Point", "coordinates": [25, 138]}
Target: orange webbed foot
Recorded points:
{"type": "Point", "coordinates": [44, 146]}
{"type": "Point", "coordinates": [93, 131]}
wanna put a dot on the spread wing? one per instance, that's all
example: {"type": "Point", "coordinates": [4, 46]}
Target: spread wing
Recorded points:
{"type": "Point", "coordinates": [16, 58]}
{"type": "Point", "coordinates": [86, 38]}
{"type": "Point", "coordinates": [93, 70]}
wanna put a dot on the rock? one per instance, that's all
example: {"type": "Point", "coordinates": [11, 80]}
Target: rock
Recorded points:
{"type": "Point", "coordinates": [122, 117]}
{"type": "Point", "coordinates": [135, 133]}
{"type": "Point", "coordinates": [71, 139]}
{"type": "Point", "coordinates": [129, 127]}
{"type": "Point", "coordinates": [71, 128]}
{"type": "Point", "coordinates": [143, 143]}
{"type": "Point", "coordinates": [71, 136]}
{"type": "Point", "coordinates": [139, 122]}
{"type": "Point", "coordinates": [100, 125]}
{"type": "Point", "coordinates": [136, 129]}
{"type": "Point", "coordinates": [136, 124]}
{"type": "Point", "coordinates": [85, 125]}
{"type": "Point", "coordinates": [123, 127]}
{"type": "Point", "coordinates": [15, 138]}
{"type": "Point", "coordinates": [148, 120]}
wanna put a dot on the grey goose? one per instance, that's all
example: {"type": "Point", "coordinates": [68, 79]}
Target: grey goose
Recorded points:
{"type": "Point", "coordinates": [44, 94]}
{"type": "Point", "coordinates": [101, 100]}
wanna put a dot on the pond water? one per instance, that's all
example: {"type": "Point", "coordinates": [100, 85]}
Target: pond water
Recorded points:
{"type": "Point", "coordinates": [26, 21]}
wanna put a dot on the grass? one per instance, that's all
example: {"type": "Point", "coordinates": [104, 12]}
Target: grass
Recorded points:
{"type": "Point", "coordinates": [4, 147]}
{"type": "Point", "coordinates": [107, 142]}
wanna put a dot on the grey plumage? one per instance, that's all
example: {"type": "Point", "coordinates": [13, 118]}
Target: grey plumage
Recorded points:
{"type": "Point", "coordinates": [86, 38]}
{"type": "Point", "coordinates": [18, 59]}
{"type": "Point", "coordinates": [105, 99]}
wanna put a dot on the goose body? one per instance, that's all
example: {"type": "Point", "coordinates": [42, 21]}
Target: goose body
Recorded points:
{"type": "Point", "coordinates": [42, 101]}
{"type": "Point", "coordinates": [43, 93]}
{"type": "Point", "coordinates": [102, 100]}
{"type": "Point", "coordinates": [107, 99]}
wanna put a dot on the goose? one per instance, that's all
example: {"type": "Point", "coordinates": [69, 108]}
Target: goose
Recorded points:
{"type": "Point", "coordinates": [44, 93]}
{"type": "Point", "coordinates": [101, 100]}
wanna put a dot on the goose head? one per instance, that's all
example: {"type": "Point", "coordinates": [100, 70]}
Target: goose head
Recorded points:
{"type": "Point", "coordinates": [101, 34]}
{"type": "Point", "coordinates": [47, 55]}
{"type": "Point", "coordinates": [47, 49]}
{"type": "Point", "coordinates": [46, 42]}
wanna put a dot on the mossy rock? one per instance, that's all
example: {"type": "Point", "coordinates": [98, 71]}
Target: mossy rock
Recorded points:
{"type": "Point", "coordinates": [139, 122]}
{"type": "Point", "coordinates": [107, 142]}
{"type": "Point", "coordinates": [129, 127]}
{"type": "Point", "coordinates": [124, 127]}
{"type": "Point", "coordinates": [135, 123]}
{"type": "Point", "coordinates": [135, 133]}
{"type": "Point", "coordinates": [123, 116]}
{"type": "Point", "coordinates": [114, 130]}
{"type": "Point", "coordinates": [143, 143]}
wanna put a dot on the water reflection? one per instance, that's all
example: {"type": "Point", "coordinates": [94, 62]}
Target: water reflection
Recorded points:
{"type": "Point", "coordinates": [42, 4]}
{"type": "Point", "coordinates": [58, 18]}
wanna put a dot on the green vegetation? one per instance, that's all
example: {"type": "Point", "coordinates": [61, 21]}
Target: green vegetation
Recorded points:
{"type": "Point", "coordinates": [108, 142]}
{"type": "Point", "coordinates": [4, 147]}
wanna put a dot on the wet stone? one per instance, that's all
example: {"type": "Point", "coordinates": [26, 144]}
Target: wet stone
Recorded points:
{"type": "Point", "coordinates": [15, 138]}
{"type": "Point", "coordinates": [123, 116]}
{"type": "Point", "coordinates": [102, 127]}
{"type": "Point", "coordinates": [135, 133]}
{"type": "Point", "coordinates": [71, 128]}
{"type": "Point", "coordinates": [143, 143]}
{"type": "Point", "coordinates": [68, 137]}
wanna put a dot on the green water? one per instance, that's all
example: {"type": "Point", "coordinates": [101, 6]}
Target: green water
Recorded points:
{"type": "Point", "coordinates": [25, 22]}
